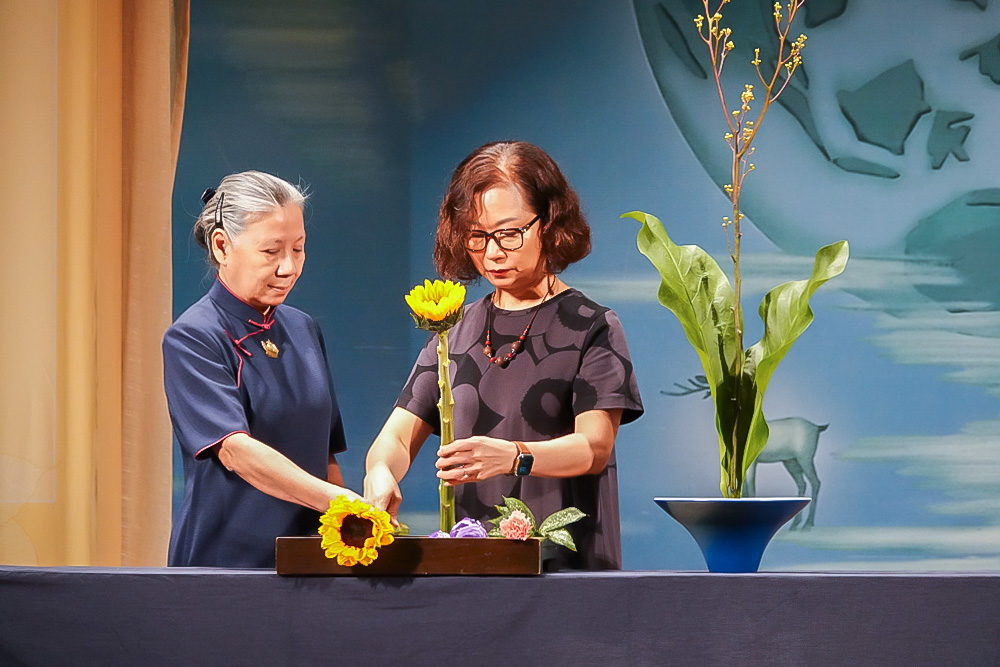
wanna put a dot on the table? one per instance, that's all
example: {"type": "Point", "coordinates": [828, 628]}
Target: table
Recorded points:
{"type": "Point", "coordinates": [194, 616]}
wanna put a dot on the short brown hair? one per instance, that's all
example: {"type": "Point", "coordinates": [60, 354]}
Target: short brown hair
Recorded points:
{"type": "Point", "coordinates": [565, 234]}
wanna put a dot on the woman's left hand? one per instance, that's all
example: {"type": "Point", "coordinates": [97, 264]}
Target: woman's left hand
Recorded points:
{"type": "Point", "coordinates": [475, 459]}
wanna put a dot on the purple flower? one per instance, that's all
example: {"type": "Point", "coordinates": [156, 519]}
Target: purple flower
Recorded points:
{"type": "Point", "coordinates": [468, 528]}
{"type": "Point", "coordinates": [439, 533]}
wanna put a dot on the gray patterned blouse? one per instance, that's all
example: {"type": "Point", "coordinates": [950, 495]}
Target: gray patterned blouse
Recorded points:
{"type": "Point", "coordinates": [574, 359]}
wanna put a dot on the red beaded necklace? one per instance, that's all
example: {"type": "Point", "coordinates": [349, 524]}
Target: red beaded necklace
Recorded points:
{"type": "Point", "coordinates": [517, 345]}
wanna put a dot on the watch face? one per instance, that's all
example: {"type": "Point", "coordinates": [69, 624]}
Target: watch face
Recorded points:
{"type": "Point", "coordinates": [524, 463]}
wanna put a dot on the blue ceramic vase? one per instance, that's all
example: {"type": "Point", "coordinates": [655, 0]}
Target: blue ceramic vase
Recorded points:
{"type": "Point", "coordinates": [732, 532]}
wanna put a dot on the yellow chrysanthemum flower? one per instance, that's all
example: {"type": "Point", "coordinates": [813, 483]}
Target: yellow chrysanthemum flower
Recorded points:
{"type": "Point", "coordinates": [353, 531]}
{"type": "Point", "coordinates": [437, 306]}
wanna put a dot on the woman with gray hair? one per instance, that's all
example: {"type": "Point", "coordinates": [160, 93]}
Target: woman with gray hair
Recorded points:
{"type": "Point", "coordinates": [249, 391]}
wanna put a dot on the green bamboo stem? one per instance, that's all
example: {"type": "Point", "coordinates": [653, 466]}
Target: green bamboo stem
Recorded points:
{"type": "Point", "coordinates": [446, 405]}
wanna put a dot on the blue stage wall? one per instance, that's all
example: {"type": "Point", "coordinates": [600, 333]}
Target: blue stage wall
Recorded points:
{"type": "Point", "coordinates": [885, 142]}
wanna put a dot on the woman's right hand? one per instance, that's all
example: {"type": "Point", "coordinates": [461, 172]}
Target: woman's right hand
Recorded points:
{"type": "Point", "coordinates": [389, 458]}
{"type": "Point", "coordinates": [346, 492]}
{"type": "Point", "coordinates": [382, 491]}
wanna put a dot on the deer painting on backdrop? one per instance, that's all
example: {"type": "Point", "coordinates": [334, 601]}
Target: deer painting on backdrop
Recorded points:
{"type": "Point", "coordinates": [792, 442]}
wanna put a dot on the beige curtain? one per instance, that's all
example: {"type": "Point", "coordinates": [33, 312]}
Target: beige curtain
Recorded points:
{"type": "Point", "coordinates": [155, 74]}
{"type": "Point", "coordinates": [89, 141]}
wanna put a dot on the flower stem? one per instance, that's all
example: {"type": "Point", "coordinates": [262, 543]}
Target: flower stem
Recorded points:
{"type": "Point", "coordinates": [735, 470]}
{"type": "Point", "coordinates": [742, 132]}
{"type": "Point", "coordinates": [445, 408]}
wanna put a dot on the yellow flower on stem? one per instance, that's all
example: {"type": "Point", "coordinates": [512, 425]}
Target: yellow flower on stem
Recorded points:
{"type": "Point", "coordinates": [353, 531]}
{"type": "Point", "coordinates": [437, 306]}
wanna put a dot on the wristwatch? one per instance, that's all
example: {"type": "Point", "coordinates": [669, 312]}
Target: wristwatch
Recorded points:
{"type": "Point", "coordinates": [523, 461]}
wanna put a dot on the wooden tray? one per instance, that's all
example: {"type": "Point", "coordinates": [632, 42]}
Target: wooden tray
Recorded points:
{"type": "Point", "coordinates": [411, 556]}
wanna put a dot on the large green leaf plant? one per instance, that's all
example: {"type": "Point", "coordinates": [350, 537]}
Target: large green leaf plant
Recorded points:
{"type": "Point", "coordinates": [699, 293]}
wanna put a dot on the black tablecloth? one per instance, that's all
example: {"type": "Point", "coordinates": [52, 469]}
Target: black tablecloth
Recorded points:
{"type": "Point", "coordinates": [127, 616]}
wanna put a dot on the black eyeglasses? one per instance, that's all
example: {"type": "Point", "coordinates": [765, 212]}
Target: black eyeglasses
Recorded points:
{"type": "Point", "coordinates": [506, 239]}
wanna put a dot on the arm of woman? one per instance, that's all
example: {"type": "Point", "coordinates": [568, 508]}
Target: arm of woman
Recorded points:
{"type": "Point", "coordinates": [585, 451]}
{"type": "Point", "coordinates": [390, 456]}
{"type": "Point", "coordinates": [271, 472]}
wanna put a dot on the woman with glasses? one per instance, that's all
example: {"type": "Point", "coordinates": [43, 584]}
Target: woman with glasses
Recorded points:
{"type": "Point", "coordinates": [542, 377]}
{"type": "Point", "coordinates": [249, 392]}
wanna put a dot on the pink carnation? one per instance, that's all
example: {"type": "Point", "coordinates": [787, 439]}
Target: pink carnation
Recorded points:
{"type": "Point", "coordinates": [516, 526]}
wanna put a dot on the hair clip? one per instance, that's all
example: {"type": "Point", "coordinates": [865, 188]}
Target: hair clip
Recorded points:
{"type": "Point", "coordinates": [207, 195]}
{"type": "Point", "coordinates": [218, 210]}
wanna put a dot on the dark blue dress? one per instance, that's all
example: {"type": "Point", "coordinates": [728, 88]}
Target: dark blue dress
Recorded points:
{"type": "Point", "coordinates": [219, 380]}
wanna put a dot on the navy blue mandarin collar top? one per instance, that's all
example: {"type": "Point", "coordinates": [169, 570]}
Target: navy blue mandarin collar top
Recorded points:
{"type": "Point", "coordinates": [237, 307]}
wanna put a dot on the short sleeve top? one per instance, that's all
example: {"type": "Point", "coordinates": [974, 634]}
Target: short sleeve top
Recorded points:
{"type": "Point", "coordinates": [220, 380]}
{"type": "Point", "coordinates": [574, 359]}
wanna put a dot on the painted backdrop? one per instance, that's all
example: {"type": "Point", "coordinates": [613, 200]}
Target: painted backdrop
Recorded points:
{"type": "Point", "coordinates": [887, 405]}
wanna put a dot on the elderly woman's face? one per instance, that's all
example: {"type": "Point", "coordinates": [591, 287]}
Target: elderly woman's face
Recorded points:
{"type": "Point", "coordinates": [505, 208]}
{"type": "Point", "coordinates": [262, 265]}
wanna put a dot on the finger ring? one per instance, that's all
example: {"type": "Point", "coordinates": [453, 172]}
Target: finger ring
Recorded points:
{"type": "Point", "coordinates": [465, 475]}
